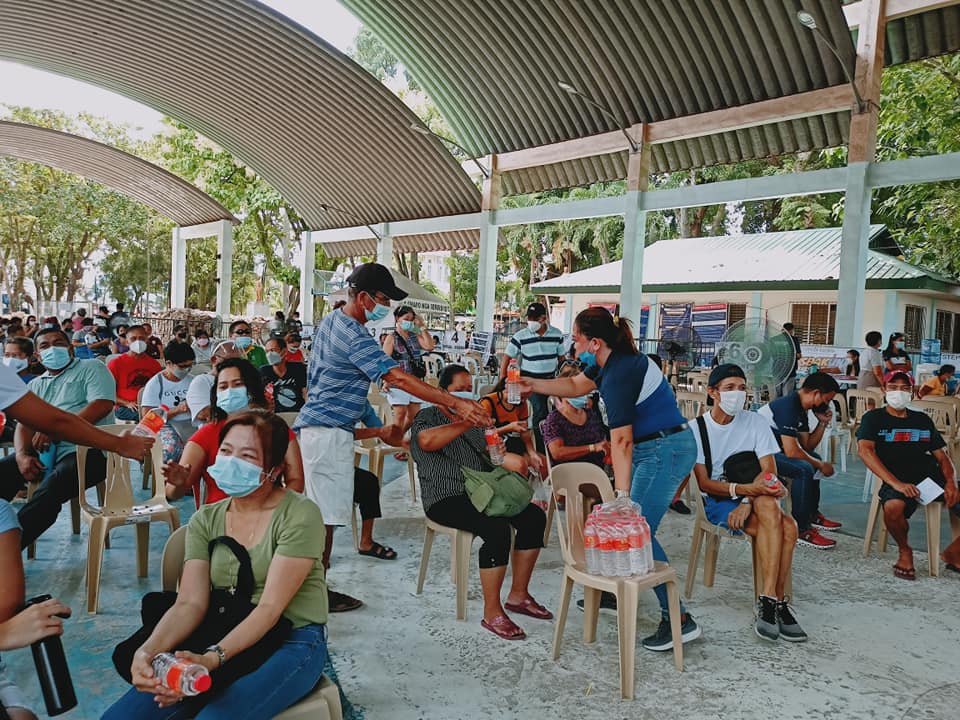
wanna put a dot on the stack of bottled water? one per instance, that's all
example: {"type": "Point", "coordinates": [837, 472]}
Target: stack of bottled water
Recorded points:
{"type": "Point", "coordinates": [617, 540]}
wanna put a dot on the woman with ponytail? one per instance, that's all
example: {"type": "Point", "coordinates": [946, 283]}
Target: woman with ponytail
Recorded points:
{"type": "Point", "coordinates": [652, 447]}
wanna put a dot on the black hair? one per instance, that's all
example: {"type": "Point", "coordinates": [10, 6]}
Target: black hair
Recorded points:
{"type": "Point", "coordinates": [178, 352]}
{"type": "Point", "coordinates": [272, 431]}
{"type": "Point", "coordinates": [597, 322]}
{"type": "Point", "coordinates": [788, 326]}
{"type": "Point", "coordinates": [403, 310]}
{"type": "Point", "coordinates": [893, 338]}
{"type": "Point", "coordinates": [820, 382]}
{"type": "Point", "coordinates": [119, 306]}
{"type": "Point", "coordinates": [279, 315]}
{"type": "Point", "coordinates": [131, 328]}
{"type": "Point", "coordinates": [946, 370]}
{"type": "Point", "coordinates": [82, 312]}
{"type": "Point", "coordinates": [449, 373]}
{"type": "Point", "coordinates": [656, 360]}
{"type": "Point", "coordinates": [46, 331]}
{"type": "Point", "coordinates": [251, 380]}
{"type": "Point", "coordinates": [200, 332]}
{"type": "Point", "coordinates": [25, 344]}
{"type": "Point", "coordinates": [873, 338]}
{"type": "Point", "coordinates": [279, 340]}
{"type": "Point", "coordinates": [854, 352]}
{"type": "Point", "coordinates": [237, 323]}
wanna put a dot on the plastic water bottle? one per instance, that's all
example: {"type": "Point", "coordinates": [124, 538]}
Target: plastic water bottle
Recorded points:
{"type": "Point", "coordinates": [607, 560]}
{"type": "Point", "coordinates": [647, 544]}
{"type": "Point", "coordinates": [177, 674]}
{"type": "Point", "coordinates": [151, 423]}
{"type": "Point", "coordinates": [638, 561]}
{"type": "Point", "coordinates": [771, 480]}
{"type": "Point", "coordinates": [493, 446]}
{"type": "Point", "coordinates": [513, 383]}
{"type": "Point", "coordinates": [621, 550]}
{"type": "Point", "coordinates": [591, 546]}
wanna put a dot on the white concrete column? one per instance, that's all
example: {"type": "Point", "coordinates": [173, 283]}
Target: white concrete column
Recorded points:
{"type": "Point", "coordinates": [892, 320]}
{"type": "Point", "coordinates": [307, 277]}
{"type": "Point", "coordinates": [653, 318]}
{"type": "Point", "coordinates": [853, 257]}
{"type": "Point", "coordinates": [178, 270]}
{"type": "Point", "coordinates": [755, 308]}
{"type": "Point", "coordinates": [634, 239]}
{"type": "Point", "coordinates": [487, 273]}
{"type": "Point", "coordinates": [385, 246]}
{"type": "Point", "coordinates": [567, 314]}
{"type": "Point", "coordinates": [224, 266]}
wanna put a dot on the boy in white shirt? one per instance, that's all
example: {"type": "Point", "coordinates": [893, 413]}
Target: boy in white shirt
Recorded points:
{"type": "Point", "coordinates": [734, 444]}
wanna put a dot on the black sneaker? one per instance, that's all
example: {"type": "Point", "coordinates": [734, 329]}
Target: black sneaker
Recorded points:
{"type": "Point", "coordinates": [608, 602]}
{"type": "Point", "coordinates": [679, 506]}
{"type": "Point", "coordinates": [767, 626]}
{"type": "Point", "coordinates": [789, 627]}
{"type": "Point", "coordinates": [662, 639]}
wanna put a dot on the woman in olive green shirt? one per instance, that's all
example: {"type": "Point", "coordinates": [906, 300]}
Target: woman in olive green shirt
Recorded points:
{"type": "Point", "coordinates": [284, 534]}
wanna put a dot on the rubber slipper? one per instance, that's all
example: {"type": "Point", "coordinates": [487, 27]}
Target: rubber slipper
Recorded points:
{"type": "Point", "coordinates": [381, 552]}
{"type": "Point", "coordinates": [338, 602]}
{"type": "Point", "coordinates": [504, 627]}
{"type": "Point", "coordinates": [904, 573]}
{"type": "Point", "coordinates": [530, 607]}
{"type": "Point", "coordinates": [952, 568]}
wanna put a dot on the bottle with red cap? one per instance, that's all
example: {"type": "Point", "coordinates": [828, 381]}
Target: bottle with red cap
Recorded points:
{"type": "Point", "coordinates": [179, 674]}
{"type": "Point", "coordinates": [151, 423]}
{"type": "Point", "coordinates": [494, 447]}
{"type": "Point", "coordinates": [513, 383]}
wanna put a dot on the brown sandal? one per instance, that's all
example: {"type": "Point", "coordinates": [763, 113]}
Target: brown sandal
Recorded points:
{"type": "Point", "coordinates": [530, 607]}
{"type": "Point", "coordinates": [904, 573]}
{"type": "Point", "coordinates": [504, 627]}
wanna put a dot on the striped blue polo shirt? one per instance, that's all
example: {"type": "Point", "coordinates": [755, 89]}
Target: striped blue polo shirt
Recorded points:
{"type": "Point", "coordinates": [344, 360]}
{"type": "Point", "coordinates": [538, 353]}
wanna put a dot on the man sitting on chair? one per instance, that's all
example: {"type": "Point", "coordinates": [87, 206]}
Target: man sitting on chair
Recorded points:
{"type": "Point", "coordinates": [82, 387]}
{"type": "Point", "coordinates": [730, 436]}
{"type": "Point", "coordinates": [902, 447]}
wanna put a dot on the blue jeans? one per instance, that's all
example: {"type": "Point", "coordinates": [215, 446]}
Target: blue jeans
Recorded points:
{"type": "Point", "coordinates": [659, 466]}
{"type": "Point", "coordinates": [804, 489]}
{"type": "Point", "coordinates": [124, 413]}
{"type": "Point", "coordinates": [286, 677]}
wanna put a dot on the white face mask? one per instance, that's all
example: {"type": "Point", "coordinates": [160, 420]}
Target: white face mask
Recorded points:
{"type": "Point", "coordinates": [898, 399]}
{"type": "Point", "coordinates": [533, 326]}
{"type": "Point", "coordinates": [138, 346]}
{"type": "Point", "coordinates": [732, 401]}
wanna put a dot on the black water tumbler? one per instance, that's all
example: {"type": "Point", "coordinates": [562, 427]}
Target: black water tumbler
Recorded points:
{"type": "Point", "coordinates": [52, 670]}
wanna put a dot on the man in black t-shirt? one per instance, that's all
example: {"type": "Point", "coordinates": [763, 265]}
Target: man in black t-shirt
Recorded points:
{"type": "Point", "coordinates": [902, 447]}
{"type": "Point", "coordinates": [289, 380]}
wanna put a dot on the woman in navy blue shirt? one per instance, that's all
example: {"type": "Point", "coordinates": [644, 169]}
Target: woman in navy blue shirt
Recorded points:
{"type": "Point", "coordinates": [652, 448]}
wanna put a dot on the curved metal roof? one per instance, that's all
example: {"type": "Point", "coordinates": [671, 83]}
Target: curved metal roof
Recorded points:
{"type": "Point", "coordinates": [129, 175]}
{"type": "Point", "coordinates": [305, 117]}
{"type": "Point", "coordinates": [426, 242]}
{"type": "Point", "coordinates": [646, 60]}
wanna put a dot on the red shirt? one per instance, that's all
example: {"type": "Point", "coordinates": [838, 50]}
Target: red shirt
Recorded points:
{"type": "Point", "coordinates": [131, 373]}
{"type": "Point", "coordinates": [207, 439]}
{"type": "Point", "coordinates": [295, 356]}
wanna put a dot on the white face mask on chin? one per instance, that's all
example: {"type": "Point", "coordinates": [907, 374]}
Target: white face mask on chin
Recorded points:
{"type": "Point", "coordinates": [898, 399]}
{"type": "Point", "coordinates": [732, 401]}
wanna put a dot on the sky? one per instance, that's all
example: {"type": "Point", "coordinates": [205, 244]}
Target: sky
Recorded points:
{"type": "Point", "coordinates": [38, 89]}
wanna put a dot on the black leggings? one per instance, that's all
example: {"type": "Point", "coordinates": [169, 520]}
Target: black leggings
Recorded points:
{"type": "Point", "coordinates": [458, 512]}
{"type": "Point", "coordinates": [366, 493]}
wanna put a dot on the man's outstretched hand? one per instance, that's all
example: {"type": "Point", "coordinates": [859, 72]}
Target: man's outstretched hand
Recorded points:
{"type": "Point", "coordinates": [135, 447]}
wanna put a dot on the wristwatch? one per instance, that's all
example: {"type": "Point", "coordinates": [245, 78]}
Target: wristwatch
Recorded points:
{"type": "Point", "coordinates": [745, 501]}
{"type": "Point", "coordinates": [219, 651]}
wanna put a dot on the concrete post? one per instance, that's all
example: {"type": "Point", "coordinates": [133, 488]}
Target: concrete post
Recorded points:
{"type": "Point", "coordinates": [653, 318]}
{"type": "Point", "coordinates": [224, 266]}
{"type": "Point", "coordinates": [634, 232]}
{"type": "Point", "coordinates": [178, 270]}
{"type": "Point", "coordinates": [487, 273]}
{"type": "Point", "coordinates": [892, 321]}
{"type": "Point", "coordinates": [755, 308]}
{"type": "Point", "coordinates": [385, 247]}
{"type": "Point", "coordinates": [307, 278]}
{"type": "Point", "coordinates": [853, 257]}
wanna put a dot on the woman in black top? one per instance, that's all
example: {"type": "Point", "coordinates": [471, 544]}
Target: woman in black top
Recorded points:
{"type": "Point", "coordinates": [853, 363]}
{"type": "Point", "coordinates": [895, 358]}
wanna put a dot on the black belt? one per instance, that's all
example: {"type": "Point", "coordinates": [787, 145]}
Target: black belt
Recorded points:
{"type": "Point", "coordinates": [661, 434]}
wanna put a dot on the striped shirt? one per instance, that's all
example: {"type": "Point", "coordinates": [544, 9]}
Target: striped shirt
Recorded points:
{"type": "Point", "coordinates": [344, 361]}
{"type": "Point", "coordinates": [440, 471]}
{"type": "Point", "coordinates": [538, 353]}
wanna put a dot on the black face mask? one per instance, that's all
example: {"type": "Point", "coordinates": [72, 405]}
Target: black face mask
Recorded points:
{"type": "Point", "coordinates": [822, 408]}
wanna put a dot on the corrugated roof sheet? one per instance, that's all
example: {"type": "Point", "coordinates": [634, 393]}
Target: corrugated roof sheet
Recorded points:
{"type": "Point", "coordinates": [646, 60]}
{"type": "Point", "coordinates": [150, 184]}
{"type": "Point", "coordinates": [301, 114]}
{"type": "Point", "coordinates": [915, 37]}
{"type": "Point", "coordinates": [427, 242]}
{"type": "Point", "coordinates": [797, 255]}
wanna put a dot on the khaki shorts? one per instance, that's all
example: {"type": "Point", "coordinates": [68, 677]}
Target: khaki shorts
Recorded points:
{"type": "Point", "coordinates": [328, 468]}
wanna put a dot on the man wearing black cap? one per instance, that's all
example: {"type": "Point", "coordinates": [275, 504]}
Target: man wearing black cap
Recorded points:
{"type": "Point", "coordinates": [538, 348]}
{"type": "Point", "coordinates": [344, 361]}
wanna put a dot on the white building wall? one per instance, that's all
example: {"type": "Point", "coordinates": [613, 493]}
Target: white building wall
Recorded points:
{"type": "Point", "coordinates": [433, 267]}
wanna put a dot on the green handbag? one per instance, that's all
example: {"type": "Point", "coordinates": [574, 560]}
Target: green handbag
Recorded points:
{"type": "Point", "coordinates": [498, 492]}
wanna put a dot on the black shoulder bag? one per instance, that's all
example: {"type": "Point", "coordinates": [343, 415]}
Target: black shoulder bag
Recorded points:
{"type": "Point", "coordinates": [741, 468]}
{"type": "Point", "coordinates": [418, 368]}
{"type": "Point", "coordinates": [228, 608]}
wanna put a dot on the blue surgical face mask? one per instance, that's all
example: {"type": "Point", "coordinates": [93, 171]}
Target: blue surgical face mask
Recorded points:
{"type": "Point", "coordinates": [232, 399]}
{"type": "Point", "coordinates": [587, 359]}
{"type": "Point", "coordinates": [579, 402]}
{"type": "Point", "coordinates": [243, 341]}
{"type": "Point", "coordinates": [465, 394]}
{"type": "Point", "coordinates": [408, 325]}
{"type": "Point", "coordinates": [236, 477]}
{"type": "Point", "coordinates": [378, 313]}
{"type": "Point", "coordinates": [55, 357]}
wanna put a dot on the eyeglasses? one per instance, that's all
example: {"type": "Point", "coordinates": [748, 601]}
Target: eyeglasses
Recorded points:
{"type": "Point", "coordinates": [241, 332]}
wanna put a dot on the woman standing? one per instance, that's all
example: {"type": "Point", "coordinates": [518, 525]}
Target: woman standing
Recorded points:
{"type": "Point", "coordinates": [895, 358]}
{"type": "Point", "coordinates": [652, 447]}
{"type": "Point", "coordinates": [406, 345]}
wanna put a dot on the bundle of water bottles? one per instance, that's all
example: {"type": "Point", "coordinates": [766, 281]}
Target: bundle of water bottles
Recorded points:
{"type": "Point", "coordinates": [617, 540]}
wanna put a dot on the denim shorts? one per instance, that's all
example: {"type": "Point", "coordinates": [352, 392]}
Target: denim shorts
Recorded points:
{"type": "Point", "coordinates": [719, 509]}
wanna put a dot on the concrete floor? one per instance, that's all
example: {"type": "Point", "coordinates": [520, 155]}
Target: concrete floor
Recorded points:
{"type": "Point", "coordinates": [879, 647]}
